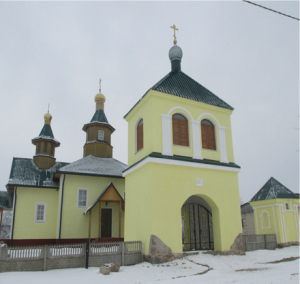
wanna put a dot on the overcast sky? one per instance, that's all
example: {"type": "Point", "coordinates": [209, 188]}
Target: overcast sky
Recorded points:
{"type": "Point", "coordinates": [55, 52]}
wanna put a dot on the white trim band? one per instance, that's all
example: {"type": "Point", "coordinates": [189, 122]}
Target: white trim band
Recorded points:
{"type": "Point", "coordinates": [179, 163]}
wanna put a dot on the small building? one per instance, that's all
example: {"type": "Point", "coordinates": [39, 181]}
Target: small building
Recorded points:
{"type": "Point", "coordinates": [276, 211]}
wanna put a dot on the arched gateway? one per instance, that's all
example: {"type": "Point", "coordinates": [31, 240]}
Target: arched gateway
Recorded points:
{"type": "Point", "coordinates": [196, 224]}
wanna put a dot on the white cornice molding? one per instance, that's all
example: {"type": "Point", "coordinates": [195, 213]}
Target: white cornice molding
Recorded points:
{"type": "Point", "coordinates": [179, 163]}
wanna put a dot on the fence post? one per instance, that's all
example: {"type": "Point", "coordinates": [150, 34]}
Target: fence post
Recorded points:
{"type": "Point", "coordinates": [142, 250]}
{"type": "Point", "coordinates": [265, 239]}
{"type": "Point", "coordinates": [123, 256]}
{"type": "Point", "coordinates": [45, 257]}
{"type": "Point", "coordinates": [87, 250]}
{"type": "Point", "coordinates": [246, 242]}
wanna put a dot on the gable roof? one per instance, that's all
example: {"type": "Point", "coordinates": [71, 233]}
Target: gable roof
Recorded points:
{"type": "Point", "coordinates": [101, 195]}
{"type": "Point", "coordinates": [25, 173]}
{"type": "Point", "coordinates": [273, 189]}
{"type": "Point", "coordinates": [179, 84]}
{"type": "Point", "coordinates": [91, 165]}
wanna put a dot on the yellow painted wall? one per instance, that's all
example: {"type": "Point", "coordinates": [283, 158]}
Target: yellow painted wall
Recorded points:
{"type": "Point", "coordinates": [24, 226]}
{"type": "Point", "coordinates": [156, 103]}
{"type": "Point", "coordinates": [156, 192]}
{"type": "Point", "coordinates": [74, 223]}
{"type": "Point", "coordinates": [284, 223]}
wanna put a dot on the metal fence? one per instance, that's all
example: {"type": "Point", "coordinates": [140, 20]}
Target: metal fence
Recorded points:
{"type": "Point", "coordinates": [256, 242]}
{"type": "Point", "coordinates": [39, 258]}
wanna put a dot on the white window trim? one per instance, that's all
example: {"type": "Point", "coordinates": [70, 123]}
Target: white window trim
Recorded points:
{"type": "Point", "coordinates": [36, 209]}
{"type": "Point", "coordinates": [101, 131]}
{"type": "Point", "coordinates": [263, 220]}
{"type": "Point", "coordinates": [87, 198]}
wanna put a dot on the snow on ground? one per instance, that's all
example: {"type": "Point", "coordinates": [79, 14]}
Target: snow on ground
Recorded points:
{"type": "Point", "coordinates": [224, 270]}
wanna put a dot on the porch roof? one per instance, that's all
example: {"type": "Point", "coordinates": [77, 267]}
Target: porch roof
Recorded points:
{"type": "Point", "coordinates": [114, 196]}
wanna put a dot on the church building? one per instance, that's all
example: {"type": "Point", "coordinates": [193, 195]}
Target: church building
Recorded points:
{"type": "Point", "coordinates": [56, 202]}
{"type": "Point", "coordinates": [181, 180]}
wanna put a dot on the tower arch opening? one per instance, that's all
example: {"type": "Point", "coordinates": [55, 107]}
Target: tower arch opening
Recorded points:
{"type": "Point", "coordinates": [196, 224]}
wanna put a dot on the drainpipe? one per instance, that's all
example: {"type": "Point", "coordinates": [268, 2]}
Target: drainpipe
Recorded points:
{"type": "Point", "coordinates": [61, 207]}
{"type": "Point", "coordinates": [13, 218]}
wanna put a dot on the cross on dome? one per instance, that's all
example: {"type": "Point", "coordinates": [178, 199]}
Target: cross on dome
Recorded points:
{"type": "Point", "coordinates": [175, 29]}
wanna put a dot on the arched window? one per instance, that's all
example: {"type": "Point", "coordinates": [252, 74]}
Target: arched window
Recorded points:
{"type": "Point", "coordinates": [265, 220]}
{"type": "Point", "coordinates": [139, 135]}
{"type": "Point", "coordinates": [180, 130]}
{"type": "Point", "coordinates": [208, 135]}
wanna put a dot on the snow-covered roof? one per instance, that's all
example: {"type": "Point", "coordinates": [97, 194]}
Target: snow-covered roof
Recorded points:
{"type": "Point", "coordinates": [273, 189]}
{"type": "Point", "coordinates": [91, 165]}
{"type": "Point", "coordinates": [25, 173]}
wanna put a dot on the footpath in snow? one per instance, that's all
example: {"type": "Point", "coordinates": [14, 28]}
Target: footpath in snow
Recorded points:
{"type": "Point", "coordinates": [262, 266]}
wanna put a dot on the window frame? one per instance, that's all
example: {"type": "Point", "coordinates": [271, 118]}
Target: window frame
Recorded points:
{"type": "Point", "coordinates": [102, 135]}
{"type": "Point", "coordinates": [187, 130]}
{"type": "Point", "coordinates": [87, 198]}
{"type": "Point", "coordinates": [37, 204]}
{"type": "Point", "coordinates": [137, 131]}
{"type": "Point", "coordinates": [215, 134]}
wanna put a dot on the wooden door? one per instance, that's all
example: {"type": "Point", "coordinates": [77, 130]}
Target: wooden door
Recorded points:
{"type": "Point", "coordinates": [106, 222]}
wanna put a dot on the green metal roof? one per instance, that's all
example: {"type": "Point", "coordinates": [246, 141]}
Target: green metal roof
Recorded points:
{"type": "Point", "coordinates": [46, 133]}
{"type": "Point", "coordinates": [6, 199]}
{"type": "Point", "coordinates": [181, 85]}
{"type": "Point", "coordinates": [99, 116]}
{"type": "Point", "coordinates": [25, 173]}
{"type": "Point", "coordinates": [273, 189]}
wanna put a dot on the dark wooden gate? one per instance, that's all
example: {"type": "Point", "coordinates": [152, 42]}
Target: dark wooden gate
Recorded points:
{"type": "Point", "coordinates": [197, 230]}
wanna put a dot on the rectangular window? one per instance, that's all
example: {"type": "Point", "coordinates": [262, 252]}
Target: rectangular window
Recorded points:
{"type": "Point", "coordinates": [100, 135]}
{"type": "Point", "coordinates": [40, 212]}
{"type": "Point", "coordinates": [82, 198]}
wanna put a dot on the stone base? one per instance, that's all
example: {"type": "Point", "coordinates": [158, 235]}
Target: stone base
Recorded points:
{"type": "Point", "coordinates": [283, 245]}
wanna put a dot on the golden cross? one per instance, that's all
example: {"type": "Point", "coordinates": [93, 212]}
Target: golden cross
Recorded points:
{"type": "Point", "coordinates": [175, 29]}
{"type": "Point", "coordinates": [100, 86]}
{"type": "Point", "coordinates": [48, 107]}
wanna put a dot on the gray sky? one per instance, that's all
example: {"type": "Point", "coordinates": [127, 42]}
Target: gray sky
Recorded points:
{"type": "Point", "coordinates": [55, 52]}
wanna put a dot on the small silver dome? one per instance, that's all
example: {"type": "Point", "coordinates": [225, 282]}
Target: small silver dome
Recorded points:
{"type": "Point", "coordinates": [175, 52]}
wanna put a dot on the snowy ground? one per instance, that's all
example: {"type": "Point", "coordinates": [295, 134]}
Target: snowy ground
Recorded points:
{"type": "Point", "coordinates": [251, 268]}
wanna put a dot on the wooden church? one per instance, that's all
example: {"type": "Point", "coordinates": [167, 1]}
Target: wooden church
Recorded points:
{"type": "Point", "coordinates": [181, 181]}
